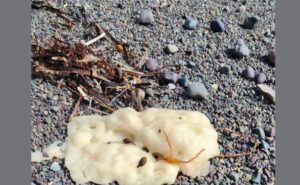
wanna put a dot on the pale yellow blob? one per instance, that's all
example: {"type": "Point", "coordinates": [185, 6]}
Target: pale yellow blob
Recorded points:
{"type": "Point", "coordinates": [94, 149]}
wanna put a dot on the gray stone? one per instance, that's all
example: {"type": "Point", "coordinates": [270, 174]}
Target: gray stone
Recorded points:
{"type": "Point", "coordinates": [234, 176]}
{"type": "Point", "coordinates": [55, 108]}
{"type": "Point", "coordinates": [170, 76]}
{"type": "Point", "coordinates": [253, 160]}
{"type": "Point", "coordinates": [241, 49]}
{"type": "Point", "coordinates": [260, 132]}
{"type": "Point", "coordinates": [256, 178]}
{"type": "Point", "coordinates": [265, 145]}
{"type": "Point", "coordinates": [272, 132]}
{"type": "Point", "coordinates": [171, 86]}
{"type": "Point", "coordinates": [55, 167]}
{"type": "Point", "coordinates": [249, 72]}
{"type": "Point", "coordinates": [197, 90]}
{"type": "Point", "coordinates": [146, 17]}
{"type": "Point", "coordinates": [149, 92]}
{"type": "Point", "coordinates": [171, 48]}
{"type": "Point", "coordinates": [47, 120]}
{"type": "Point", "coordinates": [190, 23]}
{"type": "Point", "coordinates": [151, 64]}
{"type": "Point", "coordinates": [261, 78]}
{"type": "Point", "coordinates": [267, 91]}
{"type": "Point", "coordinates": [191, 64]}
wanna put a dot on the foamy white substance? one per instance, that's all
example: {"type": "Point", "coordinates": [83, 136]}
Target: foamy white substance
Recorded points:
{"type": "Point", "coordinates": [94, 149]}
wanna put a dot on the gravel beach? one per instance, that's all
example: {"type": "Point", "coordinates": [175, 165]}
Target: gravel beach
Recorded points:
{"type": "Point", "coordinates": [219, 75]}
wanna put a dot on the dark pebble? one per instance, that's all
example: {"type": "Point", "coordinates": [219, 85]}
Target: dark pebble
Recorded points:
{"type": "Point", "coordinates": [217, 25]}
{"type": "Point", "coordinates": [225, 70]}
{"type": "Point", "coordinates": [184, 81]}
{"type": "Point", "coordinates": [251, 22]}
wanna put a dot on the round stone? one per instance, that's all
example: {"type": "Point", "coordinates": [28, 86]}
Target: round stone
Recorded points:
{"type": "Point", "coordinates": [217, 25]}
{"type": "Point", "coordinates": [241, 49]}
{"type": "Point", "coordinates": [170, 76]}
{"type": "Point", "coordinates": [151, 64]}
{"type": "Point", "coordinates": [261, 78]}
{"type": "Point", "coordinates": [55, 167]}
{"type": "Point", "coordinates": [190, 24]}
{"type": "Point", "coordinates": [146, 17]}
{"type": "Point", "coordinates": [249, 72]}
{"type": "Point", "coordinates": [197, 90]}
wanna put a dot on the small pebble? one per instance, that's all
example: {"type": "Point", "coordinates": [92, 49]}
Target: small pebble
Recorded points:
{"type": "Point", "coordinates": [234, 176]}
{"type": "Point", "coordinates": [253, 160]}
{"type": "Point", "coordinates": [272, 132]}
{"type": "Point", "coordinates": [197, 90]}
{"type": "Point", "coordinates": [251, 22]}
{"type": "Point", "coordinates": [171, 86]}
{"type": "Point", "coordinates": [247, 177]}
{"type": "Point", "coordinates": [260, 132]}
{"type": "Point", "coordinates": [265, 145]}
{"type": "Point", "coordinates": [183, 80]}
{"type": "Point", "coordinates": [170, 76]}
{"type": "Point", "coordinates": [149, 92]}
{"type": "Point", "coordinates": [191, 64]}
{"type": "Point", "coordinates": [55, 167]}
{"type": "Point", "coordinates": [55, 108]}
{"type": "Point", "coordinates": [225, 70]}
{"type": "Point", "coordinates": [171, 48]}
{"type": "Point", "coordinates": [47, 120]}
{"type": "Point", "coordinates": [260, 78]}
{"type": "Point", "coordinates": [190, 24]}
{"type": "Point", "coordinates": [242, 9]}
{"type": "Point", "coordinates": [217, 25]}
{"type": "Point", "coordinates": [141, 94]}
{"type": "Point", "coordinates": [121, 6]}
{"type": "Point", "coordinates": [214, 87]}
{"type": "Point", "coordinates": [271, 57]}
{"type": "Point", "coordinates": [267, 91]}
{"type": "Point", "coordinates": [241, 49]}
{"type": "Point", "coordinates": [146, 17]}
{"type": "Point", "coordinates": [151, 64]}
{"type": "Point", "coordinates": [249, 72]}
{"type": "Point", "coordinates": [256, 178]}
{"type": "Point", "coordinates": [232, 94]}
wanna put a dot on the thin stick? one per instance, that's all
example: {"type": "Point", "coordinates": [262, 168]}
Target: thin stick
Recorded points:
{"type": "Point", "coordinates": [71, 71]}
{"type": "Point", "coordinates": [95, 39]}
{"type": "Point", "coordinates": [118, 95]}
{"type": "Point", "coordinates": [99, 111]}
{"type": "Point", "coordinates": [194, 156]}
{"type": "Point", "coordinates": [75, 108]}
